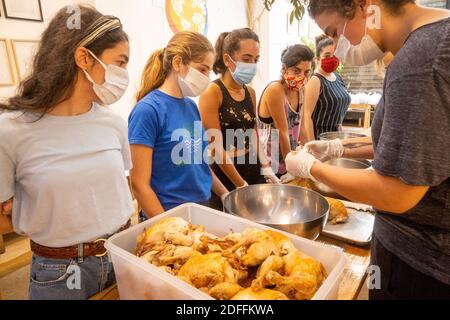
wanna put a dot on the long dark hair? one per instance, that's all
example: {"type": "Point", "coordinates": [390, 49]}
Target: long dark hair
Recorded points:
{"type": "Point", "coordinates": [54, 70]}
{"type": "Point", "coordinates": [293, 55]}
{"type": "Point", "coordinates": [322, 42]}
{"type": "Point", "coordinates": [229, 43]}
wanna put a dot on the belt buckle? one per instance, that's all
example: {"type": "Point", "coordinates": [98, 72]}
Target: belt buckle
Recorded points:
{"type": "Point", "coordinates": [106, 251]}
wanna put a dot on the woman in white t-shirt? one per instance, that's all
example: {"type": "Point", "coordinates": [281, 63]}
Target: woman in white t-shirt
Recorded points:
{"type": "Point", "coordinates": [63, 157]}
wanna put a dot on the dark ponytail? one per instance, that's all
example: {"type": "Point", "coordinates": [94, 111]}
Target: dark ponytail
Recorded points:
{"type": "Point", "coordinates": [219, 64]}
{"type": "Point", "coordinates": [230, 43]}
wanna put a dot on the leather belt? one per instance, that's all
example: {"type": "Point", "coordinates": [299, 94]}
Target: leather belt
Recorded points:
{"type": "Point", "coordinates": [95, 248]}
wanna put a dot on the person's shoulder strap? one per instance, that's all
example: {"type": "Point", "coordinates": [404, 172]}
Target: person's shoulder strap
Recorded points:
{"type": "Point", "coordinates": [220, 85]}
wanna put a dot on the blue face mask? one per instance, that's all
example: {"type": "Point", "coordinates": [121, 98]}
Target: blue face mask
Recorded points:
{"type": "Point", "coordinates": [244, 73]}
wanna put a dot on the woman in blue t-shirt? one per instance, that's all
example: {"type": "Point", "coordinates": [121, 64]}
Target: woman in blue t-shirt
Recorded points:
{"type": "Point", "coordinates": [168, 143]}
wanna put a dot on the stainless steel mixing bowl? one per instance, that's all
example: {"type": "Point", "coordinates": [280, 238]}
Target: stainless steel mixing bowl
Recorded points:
{"type": "Point", "coordinates": [340, 135]}
{"type": "Point", "coordinates": [342, 163]}
{"type": "Point", "coordinates": [289, 208]}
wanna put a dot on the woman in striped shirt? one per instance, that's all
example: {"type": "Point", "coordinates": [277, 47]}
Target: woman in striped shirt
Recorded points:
{"type": "Point", "coordinates": [326, 97]}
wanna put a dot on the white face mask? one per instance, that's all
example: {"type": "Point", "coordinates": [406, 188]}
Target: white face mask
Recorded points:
{"type": "Point", "coordinates": [194, 84]}
{"type": "Point", "coordinates": [359, 55]}
{"type": "Point", "coordinates": [116, 83]}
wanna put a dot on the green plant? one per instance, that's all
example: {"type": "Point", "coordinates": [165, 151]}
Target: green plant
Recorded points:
{"type": "Point", "coordinates": [298, 10]}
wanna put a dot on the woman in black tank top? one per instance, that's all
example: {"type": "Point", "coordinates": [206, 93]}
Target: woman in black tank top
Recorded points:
{"type": "Point", "coordinates": [326, 97]}
{"type": "Point", "coordinates": [229, 106]}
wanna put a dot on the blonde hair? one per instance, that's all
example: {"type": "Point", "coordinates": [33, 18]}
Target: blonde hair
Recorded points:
{"type": "Point", "coordinates": [190, 46]}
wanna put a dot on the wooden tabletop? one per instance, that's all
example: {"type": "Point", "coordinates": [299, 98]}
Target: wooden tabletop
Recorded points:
{"type": "Point", "coordinates": [353, 277]}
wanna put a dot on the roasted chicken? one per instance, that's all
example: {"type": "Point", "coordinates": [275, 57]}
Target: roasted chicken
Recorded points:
{"type": "Point", "coordinates": [338, 211]}
{"type": "Point", "coordinates": [295, 274]}
{"type": "Point", "coordinates": [263, 294]}
{"type": "Point", "coordinates": [255, 264]}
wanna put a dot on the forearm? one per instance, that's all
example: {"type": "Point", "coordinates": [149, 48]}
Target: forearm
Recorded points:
{"type": "Point", "coordinates": [217, 186]}
{"type": "Point", "coordinates": [232, 174]}
{"type": "Point", "coordinates": [358, 148]}
{"type": "Point", "coordinates": [227, 167]}
{"type": "Point", "coordinates": [285, 145]}
{"type": "Point", "coordinates": [148, 200]}
{"type": "Point", "coordinates": [388, 194]}
{"type": "Point", "coordinates": [365, 152]}
{"type": "Point", "coordinates": [263, 160]}
{"type": "Point", "coordinates": [5, 224]}
{"type": "Point", "coordinates": [309, 130]}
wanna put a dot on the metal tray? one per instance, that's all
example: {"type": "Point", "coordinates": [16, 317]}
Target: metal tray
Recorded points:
{"type": "Point", "coordinates": [357, 230]}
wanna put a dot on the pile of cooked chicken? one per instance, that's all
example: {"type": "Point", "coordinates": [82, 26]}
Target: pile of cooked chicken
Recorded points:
{"type": "Point", "coordinates": [252, 265]}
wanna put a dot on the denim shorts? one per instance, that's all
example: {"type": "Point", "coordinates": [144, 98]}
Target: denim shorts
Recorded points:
{"type": "Point", "coordinates": [54, 279]}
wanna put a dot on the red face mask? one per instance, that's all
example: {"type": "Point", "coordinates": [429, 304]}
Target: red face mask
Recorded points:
{"type": "Point", "coordinates": [294, 82]}
{"type": "Point", "coordinates": [330, 64]}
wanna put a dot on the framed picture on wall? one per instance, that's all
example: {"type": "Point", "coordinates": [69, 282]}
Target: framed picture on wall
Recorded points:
{"type": "Point", "coordinates": [30, 10]}
{"type": "Point", "coordinates": [6, 65]}
{"type": "Point", "coordinates": [24, 51]}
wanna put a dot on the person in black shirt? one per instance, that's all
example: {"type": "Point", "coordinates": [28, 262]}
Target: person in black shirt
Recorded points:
{"type": "Point", "coordinates": [228, 111]}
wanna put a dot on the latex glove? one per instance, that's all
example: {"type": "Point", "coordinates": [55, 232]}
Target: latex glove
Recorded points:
{"type": "Point", "coordinates": [299, 164]}
{"type": "Point", "coordinates": [6, 207]}
{"type": "Point", "coordinates": [270, 176]}
{"type": "Point", "coordinates": [287, 178]}
{"type": "Point", "coordinates": [222, 197]}
{"type": "Point", "coordinates": [326, 150]}
{"type": "Point", "coordinates": [245, 185]}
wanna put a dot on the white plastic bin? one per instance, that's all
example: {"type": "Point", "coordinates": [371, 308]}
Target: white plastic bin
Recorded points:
{"type": "Point", "coordinates": [139, 280]}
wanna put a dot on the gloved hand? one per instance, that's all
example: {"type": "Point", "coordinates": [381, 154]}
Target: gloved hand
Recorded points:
{"type": "Point", "coordinates": [270, 176]}
{"type": "Point", "coordinates": [299, 163]}
{"type": "Point", "coordinates": [287, 178]}
{"type": "Point", "coordinates": [223, 196]}
{"type": "Point", "coordinates": [245, 185]}
{"type": "Point", "coordinates": [326, 150]}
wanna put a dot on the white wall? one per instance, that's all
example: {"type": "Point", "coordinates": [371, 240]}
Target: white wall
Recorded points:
{"type": "Point", "coordinates": [29, 30]}
{"type": "Point", "coordinates": [147, 26]}
{"type": "Point", "coordinates": [273, 32]}
{"type": "Point", "coordinates": [146, 23]}
{"type": "Point", "coordinates": [143, 20]}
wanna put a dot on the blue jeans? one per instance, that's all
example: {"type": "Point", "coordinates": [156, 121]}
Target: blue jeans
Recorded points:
{"type": "Point", "coordinates": [53, 279]}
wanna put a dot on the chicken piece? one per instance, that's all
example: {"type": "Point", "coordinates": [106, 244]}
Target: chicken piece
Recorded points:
{"type": "Point", "coordinates": [172, 227]}
{"type": "Point", "coordinates": [255, 246]}
{"type": "Point", "coordinates": [272, 263]}
{"type": "Point", "coordinates": [284, 244]}
{"type": "Point", "coordinates": [263, 294]}
{"type": "Point", "coordinates": [175, 255]}
{"type": "Point", "coordinates": [207, 271]}
{"type": "Point", "coordinates": [303, 183]}
{"type": "Point", "coordinates": [225, 290]}
{"type": "Point", "coordinates": [207, 243]}
{"type": "Point", "coordinates": [338, 211]}
{"type": "Point", "coordinates": [300, 278]}
{"type": "Point", "coordinates": [169, 255]}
